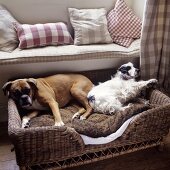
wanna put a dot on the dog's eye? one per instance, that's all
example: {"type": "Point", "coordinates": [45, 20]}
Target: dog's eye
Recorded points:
{"type": "Point", "coordinates": [128, 68]}
{"type": "Point", "coordinates": [17, 93]}
{"type": "Point", "coordinates": [123, 69]}
{"type": "Point", "coordinates": [26, 91]}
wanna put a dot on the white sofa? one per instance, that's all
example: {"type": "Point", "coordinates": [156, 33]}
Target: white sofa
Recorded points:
{"type": "Point", "coordinates": [69, 58]}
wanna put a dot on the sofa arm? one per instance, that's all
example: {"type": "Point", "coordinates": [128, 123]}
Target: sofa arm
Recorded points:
{"type": "Point", "coordinates": [41, 144]}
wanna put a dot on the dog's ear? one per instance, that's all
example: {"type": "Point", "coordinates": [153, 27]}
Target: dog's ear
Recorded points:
{"type": "Point", "coordinates": [6, 87]}
{"type": "Point", "coordinates": [119, 69]}
{"type": "Point", "coordinates": [32, 82]}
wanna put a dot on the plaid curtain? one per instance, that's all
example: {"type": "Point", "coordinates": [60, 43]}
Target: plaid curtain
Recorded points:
{"type": "Point", "coordinates": [155, 42]}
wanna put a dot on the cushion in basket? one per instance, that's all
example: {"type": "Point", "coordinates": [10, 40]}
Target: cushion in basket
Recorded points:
{"type": "Point", "coordinates": [43, 34]}
{"type": "Point", "coordinates": [90, 26]}
{"type": "Point", "coordinates": [96, 125]}
{"type": "Point", "coordinates": [8, 35]}
{"type": "Point", "coordinates": [123, 25]}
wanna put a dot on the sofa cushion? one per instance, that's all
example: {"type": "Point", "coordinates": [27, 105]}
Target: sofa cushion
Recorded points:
{"type": "Point", "coordinates": [90, 26]}
{"type": "Point", "coordinates": [8, 36]}
{"type": "Point", "coordinates": [43, 34]}
{"type": "Point", "coordinates": [70, 53]}
{"type": "Point", "coordinates": [124, 26]}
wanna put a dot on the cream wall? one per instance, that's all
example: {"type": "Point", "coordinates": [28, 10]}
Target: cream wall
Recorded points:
{"type": "Point", "coordinates": [138, 7]}
{"type": "Point", "coordinates": [34, 11]}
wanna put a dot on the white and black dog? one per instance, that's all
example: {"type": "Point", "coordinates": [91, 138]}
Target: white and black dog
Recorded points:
{"type": "Point", "coordinates": [114, 95]}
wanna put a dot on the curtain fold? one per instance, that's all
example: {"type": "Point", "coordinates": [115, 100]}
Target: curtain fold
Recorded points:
{"type": "Point", "coordinates": [155, 42]}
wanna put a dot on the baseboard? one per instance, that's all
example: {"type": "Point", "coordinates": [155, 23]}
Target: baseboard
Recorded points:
{"type": "Point", "coordinates": [4, 124]}
{"type": "Point", "coordinates": [3, 112]}
{"type": "Point", "coordinates": [4, 128]}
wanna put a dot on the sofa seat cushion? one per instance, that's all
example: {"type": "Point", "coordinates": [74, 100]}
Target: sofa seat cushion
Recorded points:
{"type": "Point", "coordinates": [69, 52]}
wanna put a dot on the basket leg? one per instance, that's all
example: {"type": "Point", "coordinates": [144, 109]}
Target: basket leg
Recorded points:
{"type": "Point", "coordinates": [161, 147]}
{"type": "Point", "coordinates": [22, 168]}
{"type": "Point", "coordinates": [164, 144]}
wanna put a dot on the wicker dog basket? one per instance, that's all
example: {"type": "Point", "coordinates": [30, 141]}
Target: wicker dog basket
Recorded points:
{"type": "Point", "coordinates": [61, 147]}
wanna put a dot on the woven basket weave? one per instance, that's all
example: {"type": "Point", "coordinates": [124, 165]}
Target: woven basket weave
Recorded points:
{"type": "Point", "coordinates": [61, 147]}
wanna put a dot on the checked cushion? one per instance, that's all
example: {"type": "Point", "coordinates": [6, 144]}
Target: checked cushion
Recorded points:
{"type": "Point", "coordinates": [43, 34]}
{"type": "Point", "coordinates": [123, 25]}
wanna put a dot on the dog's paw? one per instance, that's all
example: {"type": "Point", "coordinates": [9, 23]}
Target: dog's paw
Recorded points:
{"type": "Point", "coordinates": [83, 117]}
{"type": "Point", "coordinates": [25, 123]}
{"type": "Point", "coordinates": [126, 107]}
{"type": "Point", "coordinates": [152, 83]}
{"type": "Point", "coordinates": [76, 115]}
{"type": "Point", "coordinates": [59, 124]}
{"type": "Point", "coordinates": [146, 102]}
{"type": "Point", "coordinates": [155, 81]}
{"type": "Point", "coordinates": [112, 111]}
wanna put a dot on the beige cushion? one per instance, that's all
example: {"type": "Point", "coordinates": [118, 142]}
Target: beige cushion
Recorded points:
{"type": "Point", "coordinates": [90, 26]}
{"type": "Point", "coordinates": [8, 36]}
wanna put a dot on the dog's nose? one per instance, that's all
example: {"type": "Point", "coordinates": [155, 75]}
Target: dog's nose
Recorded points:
{"type": "Point", "coordinates": [137, 70]}
{"type": "Point", "coordinates": [24, 97]}
{"type": "Point", "coordinates": [91, 98]}
{"type": "Point", "coordinates": [24, 100]}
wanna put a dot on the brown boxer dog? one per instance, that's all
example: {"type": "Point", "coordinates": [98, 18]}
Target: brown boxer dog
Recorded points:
{"type": "Point", "coordinates": [50, 92]}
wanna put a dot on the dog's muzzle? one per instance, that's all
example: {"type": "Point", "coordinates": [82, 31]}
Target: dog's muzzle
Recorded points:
{"type": "Point", "coordinates": [25, 101]}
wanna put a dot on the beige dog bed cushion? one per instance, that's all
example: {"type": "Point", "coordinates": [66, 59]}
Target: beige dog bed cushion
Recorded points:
{"type": "Point", "coordinates": [96, 125]}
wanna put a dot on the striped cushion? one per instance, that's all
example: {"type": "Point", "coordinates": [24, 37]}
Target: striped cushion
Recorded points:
{"type": "Point", "coordinates": [42, 35]}
{"type": "Point", "coordinates": [90, 26]}
{"type": "Point", "coordinates": [123, 25]}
